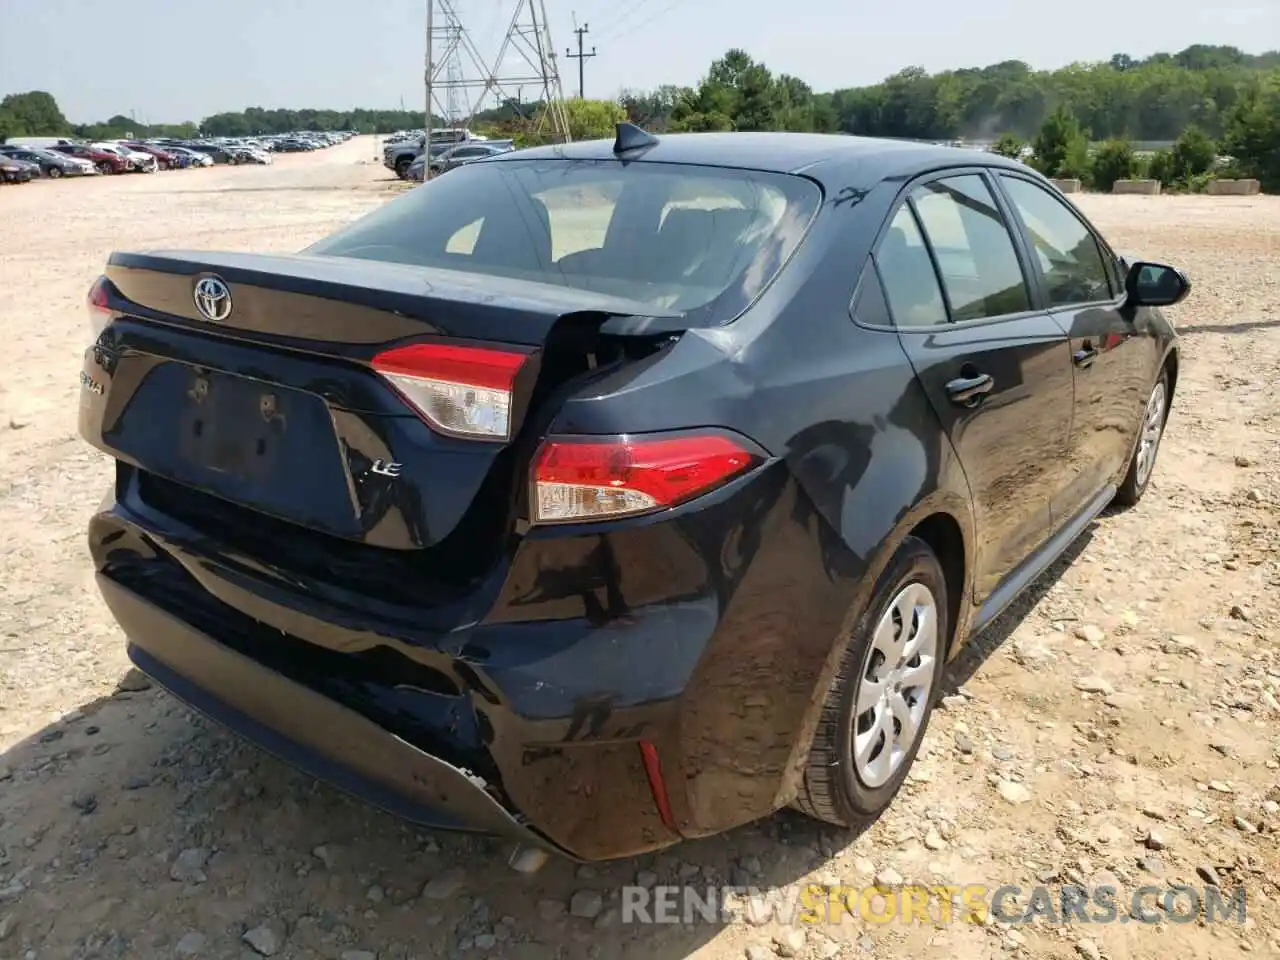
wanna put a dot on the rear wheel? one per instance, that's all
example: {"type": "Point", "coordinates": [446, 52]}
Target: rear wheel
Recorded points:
{"type": "Point", "coordinates": [880, 701]}
{"type": "Point", "coordinates": [1150, 433]}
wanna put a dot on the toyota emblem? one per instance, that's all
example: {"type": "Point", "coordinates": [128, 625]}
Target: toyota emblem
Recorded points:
{"type": "Point", "coordinates": [213, 299]}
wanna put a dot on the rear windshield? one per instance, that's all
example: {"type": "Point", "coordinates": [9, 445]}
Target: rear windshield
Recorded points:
{"type": "Point", "coordinates": [698, 240]}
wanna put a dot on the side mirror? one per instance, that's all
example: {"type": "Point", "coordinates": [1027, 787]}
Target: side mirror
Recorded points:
{"type": "Point", "coordinates": [1155, 285]}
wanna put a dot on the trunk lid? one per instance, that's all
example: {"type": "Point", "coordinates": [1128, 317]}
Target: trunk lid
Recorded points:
{"type": "Point", "coordinates": [271, 428]}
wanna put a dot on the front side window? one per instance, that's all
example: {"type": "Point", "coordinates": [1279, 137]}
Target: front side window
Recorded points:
{"type": "Point", "coordinates": [907, 274]}
{"type": "Point", "coordinates": [973, 247]}
{"type": "Point", "coordinates": [1065, 249]}
{"type": "Point", "coordinates": [675, 237]}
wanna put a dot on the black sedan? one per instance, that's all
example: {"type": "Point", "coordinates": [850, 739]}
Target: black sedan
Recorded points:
{"type": "Point", "coordinates": [608, 494]}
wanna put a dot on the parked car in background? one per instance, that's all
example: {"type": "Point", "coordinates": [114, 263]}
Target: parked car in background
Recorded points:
{"type": "Point", "coordinates": [51, 163]}
{"type": "Point", "coordinates": [38, 143]}
{"type": "Point", "coordinates": [13, 170]}
{"type": "Point", "coordinates": [246, 154]}
{"type": "Point", "coordinates": [215, 152]}
{"type": "Point", "coordinates": [165, 159]}
{"type": "Point", "coordinates": [137, 161]}
{"type": "Point", "coordinates": [404, 159]}
{"type": "Point", "coordinates": [192, 158]}
{"type": "Point", "coordinates": [106, 161]}
{"type": "Point", "coordinates": [467, 153]}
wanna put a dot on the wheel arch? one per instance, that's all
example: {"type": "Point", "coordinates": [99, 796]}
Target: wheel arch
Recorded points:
{"type": "Point", "coordinates": [1169, 366]}
{"type": "Point", "coordinates": [946, 538]}
{"type": "Point", "coordinates": [943, 520]}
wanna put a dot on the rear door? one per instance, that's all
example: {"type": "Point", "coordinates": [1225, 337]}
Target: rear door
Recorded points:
{"type": "Point", "coordinates": [1114, 352]}
{"type": "Point", "coordinates": [997, 370]}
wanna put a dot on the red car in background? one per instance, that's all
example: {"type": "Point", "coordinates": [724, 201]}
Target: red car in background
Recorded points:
{"type": "Point", "coordinates": [165, 159]}
{"type": "Point", "coordinates": [105, 162]}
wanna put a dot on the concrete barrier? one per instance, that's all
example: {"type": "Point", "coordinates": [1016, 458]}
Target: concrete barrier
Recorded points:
{"type": "Point", "coordinates": [1067, 186]}
{"type": "Point", "coordinates": [1144, 188]}
{"type": "Point", "coordinates": [1233, 188]}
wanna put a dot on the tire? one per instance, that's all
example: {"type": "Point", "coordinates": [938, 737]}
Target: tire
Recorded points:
{"type": "Point", "coordinates": [1142, 462]}
{"type": "Point", "coordinates": [55, 173]}
{"type": "Point", "coordinates": [402, 167]}
{"type": "Point", "coordinates": [105, 168]}
{"type": "Point", "coordinates": [850, 793]}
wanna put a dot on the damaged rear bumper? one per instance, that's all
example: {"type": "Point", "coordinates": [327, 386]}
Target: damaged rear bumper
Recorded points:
{"type": "Point", "coordinates": [305, 729]}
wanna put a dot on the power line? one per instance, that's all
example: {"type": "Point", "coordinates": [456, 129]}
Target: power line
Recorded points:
{"type": "Point", "coordinates": [630, 12]}
{"type": "Point", "coordinates": [645, 22]}
{"type": "Point", "coordinates": [582, 58]}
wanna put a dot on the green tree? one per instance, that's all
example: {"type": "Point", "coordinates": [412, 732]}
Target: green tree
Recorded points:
{"type": "Point", "coordinates": [1253, 135]}
{"type": "Point", "coordinates": [1113, 161]}
{"type": "Point", "coordinates": [1160, 167]}
{"type": "Point", "coordinates": [1061, 148]}
{"type": "Point", "coordinates": [593, 119]}
{"type": "Point", "coordinates": [1009, 145]}
{"type": "Point", "coordinates": [10, 126]}
{"type": "Point", "coordinates": [34, 114]}
{"type": "Point", "coordinates": [1193, 154]}
{"type": "Point", "coordinates": [651, 110]}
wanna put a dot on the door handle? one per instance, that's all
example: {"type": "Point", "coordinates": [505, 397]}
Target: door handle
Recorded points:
{"type": "Point", "coordinates": [968, 391]}
{"type": "Point", "coordinates": [1085, 356]}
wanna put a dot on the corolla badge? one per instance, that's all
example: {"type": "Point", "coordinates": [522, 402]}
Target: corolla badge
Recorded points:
{"type": "Point", "coordinates": [213, 299]}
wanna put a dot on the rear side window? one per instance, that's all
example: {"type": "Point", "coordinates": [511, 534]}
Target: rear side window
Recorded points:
{"type": "Point", "coordinates": [672, 236]}
{"type": "Point", "coordinates": [973, 247]}
{"type": "Point", "coordinates": [1066, 250]}
{"type": "Point", "coordinates": [907, 274]}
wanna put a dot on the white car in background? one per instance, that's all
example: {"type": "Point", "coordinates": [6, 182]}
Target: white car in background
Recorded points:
{"type": "Point", "coordinates": [242, 153]}
{"type": "Point", "coordinates": [141, 162]}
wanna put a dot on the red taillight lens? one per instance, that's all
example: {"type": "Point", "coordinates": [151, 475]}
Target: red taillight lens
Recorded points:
{"type": "Point", "coordinates": [590, 479]}
{"type": "Point", "coordinates": [96, 302]}
{"type": "Point", "coordinates": [459, 391]}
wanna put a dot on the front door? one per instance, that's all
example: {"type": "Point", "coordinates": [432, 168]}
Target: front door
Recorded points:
{"type": "Point", "coordinates": [997, 371]}
{"type": "Point", "coordinates": [1114, 353]}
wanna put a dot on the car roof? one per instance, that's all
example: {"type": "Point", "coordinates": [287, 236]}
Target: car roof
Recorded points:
{"type": "Point", "coordinates": [825, 156]}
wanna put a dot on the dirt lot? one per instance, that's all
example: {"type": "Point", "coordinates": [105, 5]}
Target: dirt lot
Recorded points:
{"type": "Point", "coordinates": [1120, 727]}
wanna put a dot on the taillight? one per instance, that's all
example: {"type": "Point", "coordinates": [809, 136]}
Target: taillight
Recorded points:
{"type": "Point", "coordinates": [459, 391]}
{"type": "Point", "coordinates": [591, 478]}
{"type": "Point", "coordinates": [97, 304]}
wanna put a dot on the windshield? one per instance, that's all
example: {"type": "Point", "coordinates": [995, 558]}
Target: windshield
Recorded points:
{"type": "Point", "coordinates": [678, 237]}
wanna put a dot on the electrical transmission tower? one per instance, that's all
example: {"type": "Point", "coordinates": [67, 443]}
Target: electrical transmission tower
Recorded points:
{"type": "Point", "coordinates": [458, 116]}
{"type": "Point", "coordinates": [457, 71]}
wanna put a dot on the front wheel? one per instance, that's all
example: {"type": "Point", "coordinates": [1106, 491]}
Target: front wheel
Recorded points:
{"type": "Point", "coordinates": [878, 706]}
{"type": "Point", "coordinates": [1150, 432]}
{"type": "Point", "coordinates": [55, 173]}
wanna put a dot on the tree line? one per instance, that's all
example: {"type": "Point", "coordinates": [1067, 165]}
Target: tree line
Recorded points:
{"type": "Point", "coordinates": [37, 114]}
{"type": "Point", "coordinates": [1228, 97]}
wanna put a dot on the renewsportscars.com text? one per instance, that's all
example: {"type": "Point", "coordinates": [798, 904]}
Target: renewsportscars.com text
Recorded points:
{"type": "Point", "coordinates": [934, 904]}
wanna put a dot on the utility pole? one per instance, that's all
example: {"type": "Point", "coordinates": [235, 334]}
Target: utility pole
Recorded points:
{"type": "Point", "coordinates": [581, 57]}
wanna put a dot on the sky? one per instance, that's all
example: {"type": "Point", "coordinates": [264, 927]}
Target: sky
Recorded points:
{"type": "Point", "coordinates": [165, 61]}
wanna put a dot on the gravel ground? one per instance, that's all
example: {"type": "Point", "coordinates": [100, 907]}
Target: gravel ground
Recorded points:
{"type": "Point", "coordinates": [1119, 727]}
